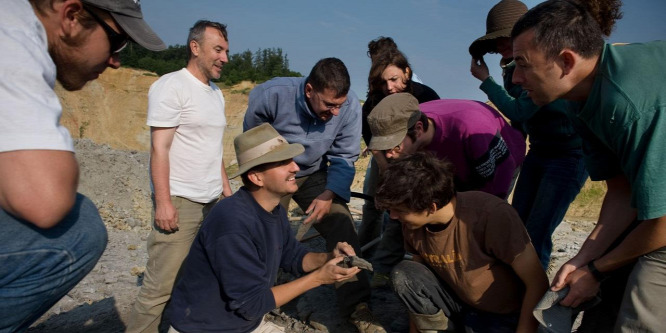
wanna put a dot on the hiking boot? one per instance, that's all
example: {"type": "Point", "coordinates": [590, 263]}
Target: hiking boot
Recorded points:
{"type": "Point", "coordinates": [364, 320]}
{"type": "Point", "coordinates": [380, 280]}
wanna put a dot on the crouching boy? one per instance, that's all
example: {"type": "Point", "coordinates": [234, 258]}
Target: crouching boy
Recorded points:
{"type": "Point", "coordinates": [226, 283]}
{"type": "Point", "coordinates": [474, 267]}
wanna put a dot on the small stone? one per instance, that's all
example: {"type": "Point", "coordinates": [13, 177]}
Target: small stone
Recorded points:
{"type": "Point", "coordinates": [137, 270]}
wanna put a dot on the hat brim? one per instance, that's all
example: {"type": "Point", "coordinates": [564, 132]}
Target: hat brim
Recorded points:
{"type": "Point", "coordinates": [486, 43]}
{"type": "Point", "coordinates": [139, 31]}
{"type": "Point", "coordinates": [387, 142]}
{"type": "Point", "coordinates": [281, 153]}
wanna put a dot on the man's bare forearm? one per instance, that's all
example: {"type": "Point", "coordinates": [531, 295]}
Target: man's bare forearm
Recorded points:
{"type": "Point", "coordinates": [615, 217]}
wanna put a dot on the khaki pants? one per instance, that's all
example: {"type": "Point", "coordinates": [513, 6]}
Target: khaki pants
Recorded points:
{"type": "Point", "coordinates": [166, 252]}
{"type": "Point", "coordinates": [264, 327]}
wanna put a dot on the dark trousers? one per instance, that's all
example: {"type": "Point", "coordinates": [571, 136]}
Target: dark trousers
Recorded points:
{"type": "Point", "coordinates": [336, 226]}
{"type": "Point", "coordinates": [545, 189]}
{"type": "Point", "coordinates": [423, 292]}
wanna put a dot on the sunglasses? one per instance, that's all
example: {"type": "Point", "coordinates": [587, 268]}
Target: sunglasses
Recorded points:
{"type": "Point", "coordinates": [117, 41]}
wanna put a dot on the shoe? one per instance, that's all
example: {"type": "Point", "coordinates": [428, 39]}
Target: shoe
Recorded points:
{"type": "Point", "coordinates": [364, 320]}
{"type": "Point", "coordinates": [380, 280]}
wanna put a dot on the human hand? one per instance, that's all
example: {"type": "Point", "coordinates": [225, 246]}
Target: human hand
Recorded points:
{"type": "Point", "coordinates": [166, 216]}
{"type": "Point", "coordinates": [559, 281]}
{"type": "Point", "coordinates": [479, 69]}
{"type": "Point", "coordinates": [582, 287]}
{"type": "Point", "coordinates": [582, 284]}
{"type": "Point", "coordinates": [319, 207]}
{"type": "Point", "coordinates": [330, 272]}
{"type": "Point", "coordinates": [365, 152]}
{"type": "Point", "coordinates": [343, 249]}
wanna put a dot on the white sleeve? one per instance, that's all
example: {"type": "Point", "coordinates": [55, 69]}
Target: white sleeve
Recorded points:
{"type": "Point", "coordinates": [30, 110]}
{"type": "Point", "coordinates": [164, 104]}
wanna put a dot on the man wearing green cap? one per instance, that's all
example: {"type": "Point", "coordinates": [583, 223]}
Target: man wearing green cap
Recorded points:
{"type": "Point", "coordinates": [227, 280]}
{"type": "Point", "coordinates": [51, 235]}
{"type": "Point", "coordinates": [485, 151]}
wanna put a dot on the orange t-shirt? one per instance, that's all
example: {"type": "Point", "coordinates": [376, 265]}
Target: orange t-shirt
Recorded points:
{"type": "Point", "coordinates": [474, 252]}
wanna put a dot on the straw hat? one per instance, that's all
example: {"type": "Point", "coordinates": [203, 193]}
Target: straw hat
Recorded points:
{"type": "Point", "coordinates": [499, 23]}
{"type": "Point", "coordinates": [261, 145]}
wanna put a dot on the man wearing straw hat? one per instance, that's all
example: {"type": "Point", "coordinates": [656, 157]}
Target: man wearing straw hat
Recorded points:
{"type": "Point", "coordinates": [227, 280]}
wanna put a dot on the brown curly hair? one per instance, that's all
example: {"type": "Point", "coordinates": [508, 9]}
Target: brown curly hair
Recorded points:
{"type": "Point", "coordinates": [416, 181]}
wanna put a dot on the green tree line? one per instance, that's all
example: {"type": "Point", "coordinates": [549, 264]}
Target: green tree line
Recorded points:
{"type": "Point", "coordinates": [257, 67]}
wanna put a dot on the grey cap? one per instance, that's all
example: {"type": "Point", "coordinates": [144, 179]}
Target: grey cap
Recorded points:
{"type": "Point", "coordinates": [261, 145]}
{"type": "Point", "coordinates": [128, 15]}
{"type": "Point", "coordinates": [390, 120]}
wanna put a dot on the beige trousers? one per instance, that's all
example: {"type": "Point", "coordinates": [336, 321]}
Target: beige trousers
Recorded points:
{"type": "Point", "coordinates": [166, 252]}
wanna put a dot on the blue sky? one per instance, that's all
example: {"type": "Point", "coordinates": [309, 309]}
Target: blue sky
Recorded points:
{"type": "Point", "coordinates": [433, 34]}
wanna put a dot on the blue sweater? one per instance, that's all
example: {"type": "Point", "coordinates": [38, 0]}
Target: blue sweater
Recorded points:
{"type": "Point", "coordinates": [333, 145]}
{"type": "Point", "coordinates": [225, 281]}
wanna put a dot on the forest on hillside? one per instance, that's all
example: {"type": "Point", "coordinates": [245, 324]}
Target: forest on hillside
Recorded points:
{"type": "Point", "coordinates": [257, 67]}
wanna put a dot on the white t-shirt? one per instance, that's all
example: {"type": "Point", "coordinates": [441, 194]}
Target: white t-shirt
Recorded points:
{"type": "Point", "coordinates": [29, 108]}
{"type": "Point", "coordinates": [180, 100]}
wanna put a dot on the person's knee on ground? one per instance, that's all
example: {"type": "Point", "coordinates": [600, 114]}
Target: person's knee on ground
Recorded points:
{"type": "Point", "coordinates": [434, 323]}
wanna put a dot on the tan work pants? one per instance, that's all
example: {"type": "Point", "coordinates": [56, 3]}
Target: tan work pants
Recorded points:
{"type": "Point", "coordinates": [166, 252]}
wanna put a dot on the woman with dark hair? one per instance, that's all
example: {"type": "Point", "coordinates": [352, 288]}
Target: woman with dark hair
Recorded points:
{"type": "Point", "coordinates": [390, 73]}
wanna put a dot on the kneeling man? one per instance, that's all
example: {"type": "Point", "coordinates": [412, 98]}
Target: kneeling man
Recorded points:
{"type": "Point", "coordinates": [226, 283]}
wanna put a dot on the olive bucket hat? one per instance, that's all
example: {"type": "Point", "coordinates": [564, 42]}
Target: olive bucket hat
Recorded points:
{"type": "Point", "coordinates": [499, 23]}
{"type": "Point", "coordinates": [390, 120]}
{"type": "Point", "coordinates": [261, 145]}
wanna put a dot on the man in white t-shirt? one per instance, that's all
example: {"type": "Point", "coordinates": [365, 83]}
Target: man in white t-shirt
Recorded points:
{"type": "Point", "coordinates": [51, 235]}
{"type": "Point", "coordinates": [187, 121]}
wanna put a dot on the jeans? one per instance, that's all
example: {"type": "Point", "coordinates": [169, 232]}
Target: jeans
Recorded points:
{"type": "Point", "coordinates": [166, 253]}
{"type": "Point", "coordinates": [336, 226]}
{"type": "Point", "coordinates": [39, 266]}
{"type": "Point", "coordinates": [545, 189]}
{"type": "Point", "coordinates": [422, 292]}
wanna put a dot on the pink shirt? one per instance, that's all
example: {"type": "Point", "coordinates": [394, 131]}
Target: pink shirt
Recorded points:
{"type": "Point", "coordinates": [483, 147]}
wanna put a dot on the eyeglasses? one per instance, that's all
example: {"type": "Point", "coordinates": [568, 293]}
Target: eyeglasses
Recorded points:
{"type": "Point", "coordinates": [117, 41]}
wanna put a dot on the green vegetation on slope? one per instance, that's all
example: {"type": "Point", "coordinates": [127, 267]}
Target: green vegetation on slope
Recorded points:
{"type": "Point", "coordinates": [263, 65]}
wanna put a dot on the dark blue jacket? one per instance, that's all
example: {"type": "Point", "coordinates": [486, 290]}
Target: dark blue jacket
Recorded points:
{"type": "Point", "coordinates": [225, 282]}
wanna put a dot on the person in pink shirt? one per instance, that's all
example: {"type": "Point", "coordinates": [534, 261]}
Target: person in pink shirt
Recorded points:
{"type": "Point", "coordinates": [485, 150]}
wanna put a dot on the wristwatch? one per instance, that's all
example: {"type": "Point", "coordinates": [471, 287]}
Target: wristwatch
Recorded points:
{"type": "Point", "coordinates": [595, 272]}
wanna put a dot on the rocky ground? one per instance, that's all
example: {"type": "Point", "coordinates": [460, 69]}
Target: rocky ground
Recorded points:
{"type": "Point", "coordinates": [117, 181]}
